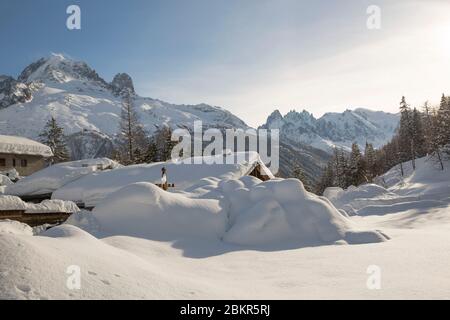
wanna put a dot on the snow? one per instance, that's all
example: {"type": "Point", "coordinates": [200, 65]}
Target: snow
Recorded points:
{"type": "Point", "coordinates": [5, 181]}
{"type": "Point", "coordinates": [15, 228]}
{"type": "Point", "coordinates": [49, 206]}
{"type": "Point", "coordinates": [46, 206]}
{"type": "Point", "coordinates": [12, 203]}
{"type": "Point", "coordinates": [20, 145]}
{"type": "Point", "coordinates": [333, 130]}
{"type": "Point", "coordinates": [240, 239]}
{"type": "Point", "coordinates": [426, 187]}
{"type": "Point", "coordinates": [58, 175]}
{"type": "Point", "coordinates": [82, 103]}
{"type": "Point", "coordinates": [92, 189]}
{"type": "Point", "coordinates": [271, 213]}
{"type": "Point", "coordinates": [12, 174]}
{"type": "Point", "coordinates": [159, 215]}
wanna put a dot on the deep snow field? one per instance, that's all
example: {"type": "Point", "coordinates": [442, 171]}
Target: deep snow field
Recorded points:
{"type": "Point", "coordinates": [242, 239]}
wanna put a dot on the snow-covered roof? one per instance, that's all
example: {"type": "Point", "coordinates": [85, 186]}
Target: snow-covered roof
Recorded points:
{"type": "Point", "coordinates": [93, 188]}
{"type": "Point", "coordinates": [21, 145]}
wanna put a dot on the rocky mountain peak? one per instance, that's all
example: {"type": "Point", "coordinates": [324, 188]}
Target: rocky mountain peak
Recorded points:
{"type": "Point", "coordinates": [12, 91]}
{"type": "Point", "coordinates": [60, 69]}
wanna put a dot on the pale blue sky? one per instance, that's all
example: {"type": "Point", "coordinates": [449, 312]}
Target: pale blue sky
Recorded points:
{"type": "Point", "coordinates": [249, 56]}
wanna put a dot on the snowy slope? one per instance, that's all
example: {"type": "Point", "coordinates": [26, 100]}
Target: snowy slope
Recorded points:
{"type": "Point", "coordinates": [413, 263]}
{"type": "Point", "coordinates": [335, 129]}
{"type": "Point", "coordinates": [143, 243]}
{"type": "Point", "coordinates": [426, 187]}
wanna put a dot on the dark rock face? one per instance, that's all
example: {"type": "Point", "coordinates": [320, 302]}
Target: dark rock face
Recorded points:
{"type": "Point", "coordinates": [28, 71]}
{"type": "Point", "coordinates": [12, 91]}
{"type": "Point", "coordinates": [122, 84]}
{"type": "Point", "coordinates": [89, 144]}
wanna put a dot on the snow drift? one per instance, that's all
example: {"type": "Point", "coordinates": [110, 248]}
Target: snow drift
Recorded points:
{"type": "Point", "coordinates": [145, 210]}
{"type": "Point", "coordinates": [38, 267]}
{"type": "Point", "coordinates": [5, 181]}
{"type": "Point", "coordinates": [93, 189]}
{"type": "Point", "coordinates": [58, 175]}
{"type": "Point", "coordinates": [46, 206]}
{"type": "Point", "coordinates": [269, 213]}
{"type": "Point", "coordinates": [426, 187]}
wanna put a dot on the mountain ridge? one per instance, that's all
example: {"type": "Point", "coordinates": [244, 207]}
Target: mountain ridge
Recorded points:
{"type": "Point", "coordinates": [335, 129]}
{"type": "Point", "coordinates": [88, 108]}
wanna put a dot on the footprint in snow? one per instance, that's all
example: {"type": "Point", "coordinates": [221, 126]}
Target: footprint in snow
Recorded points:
{"type": "Point", "coordinates": [92, 273]}
{"type": "Point", "coordinates": [24, 288]}
{"type": "Point", "coordinates": [106, 282]}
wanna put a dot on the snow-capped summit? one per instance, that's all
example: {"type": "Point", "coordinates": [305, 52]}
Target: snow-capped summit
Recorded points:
{"type": "Point", "coordinates": [274, 121]}
{"type": "Point", "coordinates": [88, 107]}
{"type": "Point", "coordinates": [335, 129]}
{"type": "Point", "coordinates": [60, 69]}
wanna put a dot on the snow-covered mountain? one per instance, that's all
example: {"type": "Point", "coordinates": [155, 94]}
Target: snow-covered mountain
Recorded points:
{"type": "Point", "coordinates": [87, 106]}
{"type": "Point", "coordinates": [335, 129]}
{"type": "Point", "coordinates": [12, 91]}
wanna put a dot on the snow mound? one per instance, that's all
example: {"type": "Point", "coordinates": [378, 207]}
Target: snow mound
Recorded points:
{"type": "Point", "coordinates": [12, 203]}
{"type": "Point", "coordinates": [145, 210]}
{"type": "Point", "coordinates": [282, 211]}
{"type": "Point", "coordinates": [49, 206]}
{"type": "Point", "coordinates": [93, 189]}
{"type": "Point", "coordinates": [56, 176]}
{"type": "Point", "coordinates": [39, 267]}
{"type": "Point", "coordinates": [5, 181]}
{"type": "Point", "coordinates": [426, 187]}
{"type": "Point", "coordinates": [12, 174]}
{"type": "Point", "coordinates": [46, 206]}
{"type": "Point", "coordinates": [340, 198]}
{"type": "Point", "coordinates": [15, 227]}
{"type": "Point", "coordinates": [399, 207]}
{"type": "Point", "coordinates": [428, 180]}
{"type": "Point", "coordinates": [277, 212]}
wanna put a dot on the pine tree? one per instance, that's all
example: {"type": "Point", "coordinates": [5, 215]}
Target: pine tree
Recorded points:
{"type": "Point", "coordinates": [299, 174]}
{"type": "Point", "coordinates": [340, 168]}
{"type": "Point", "coordinates": [151, 154]}
{"type": "Point", "coordinates": [169, 144]}
{"type": "Point", "coordinates": [417, 135]}
{"type": "Point", "coordinates": [164, 143]}
{"type": "Point", "coordinates": [370, 161]}
{"type": "Point", "coordinates": [132, 136]}
{"type": "Point", "coordinates": [443, 123]}
{"type": "Point", "coordinates": [356, 167]}
{"type": "Point", "coordinates": [327, 179]}
{"type": "Point", "coordinates": [435, 143]}
{"type": "Point", "coordinates": [53, 136]}
{"type": "Point", "coordinates": [406, 132]}
{"type": "Point", "coordinates": [427, 127]}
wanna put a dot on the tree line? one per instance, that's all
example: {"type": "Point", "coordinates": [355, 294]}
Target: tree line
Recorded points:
{"type": "Point", "coordinates": [420, 133]}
